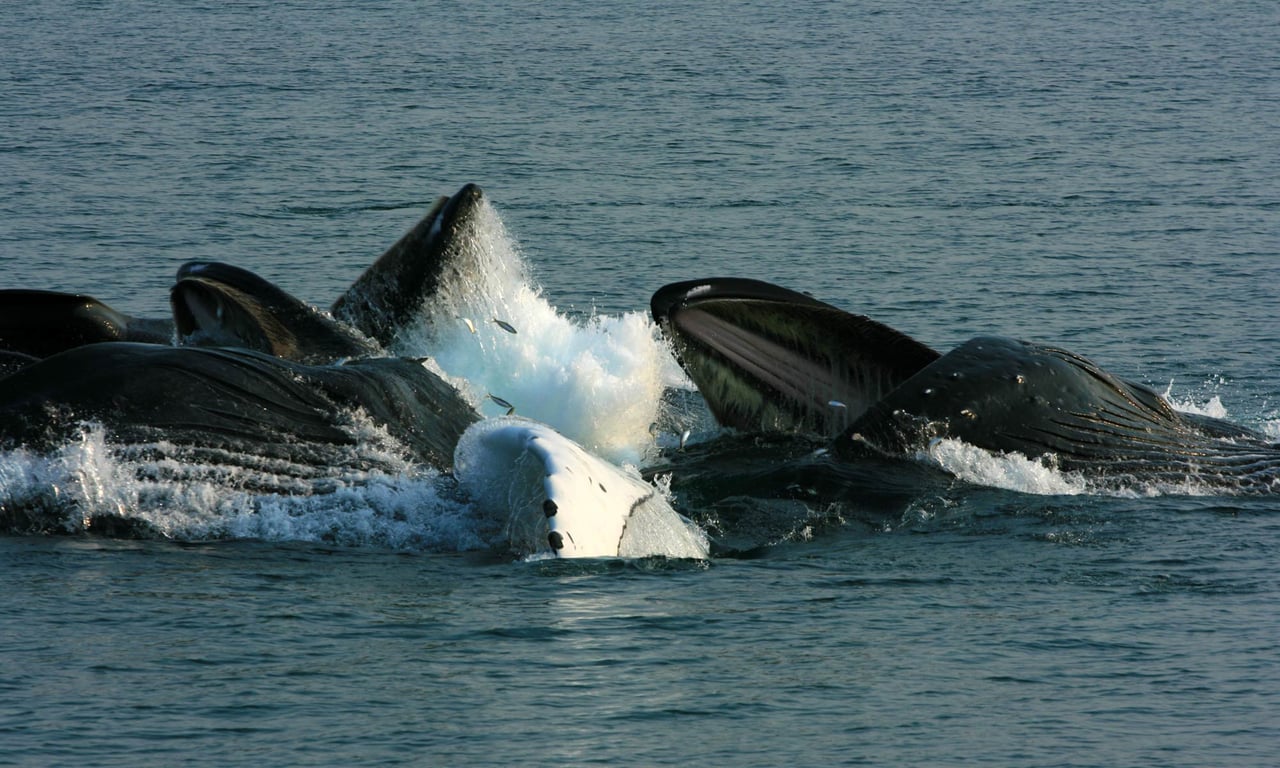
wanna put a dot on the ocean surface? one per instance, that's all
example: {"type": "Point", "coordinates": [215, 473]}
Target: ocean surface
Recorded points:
{"type": "Point", "coordinates": [1103, 177]}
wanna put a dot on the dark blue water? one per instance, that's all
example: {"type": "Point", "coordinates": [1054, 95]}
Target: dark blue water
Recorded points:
{"type": "Point", "coordinates": [1100, 178]}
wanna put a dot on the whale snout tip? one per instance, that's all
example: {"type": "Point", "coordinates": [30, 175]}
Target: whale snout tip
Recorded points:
{"type": "Point", "coordinates": [471, 189]}
{"type": "Point", "coordinates": [470, 195]}
{"type": "Point", "coordinates": [461, 206]}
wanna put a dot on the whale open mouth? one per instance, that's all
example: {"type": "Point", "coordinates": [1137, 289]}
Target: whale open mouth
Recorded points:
{"type": "Point", "coordinates": [216, 304]}
{"type": "Point", "coordinates": [209, 308]}
{"type": "Point", "coordinates": [769, 359]}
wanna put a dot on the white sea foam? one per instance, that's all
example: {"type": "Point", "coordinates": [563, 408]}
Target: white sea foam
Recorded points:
{"type": "Point", "coordinates": [1212, 407]}
{"type": "Point", "coordinates": [1010, 471]}
{"type": "Point", "coordinates": [598, 382]}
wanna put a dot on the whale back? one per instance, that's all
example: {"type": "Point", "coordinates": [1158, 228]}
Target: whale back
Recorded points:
{"type": "Point", "coordinates": [1007, 395]}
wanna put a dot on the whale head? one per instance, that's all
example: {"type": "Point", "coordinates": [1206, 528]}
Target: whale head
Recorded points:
{"type": "Point", "coordinates": [391, 292]}
{"type": "Point", "coordinates": [216, 304]}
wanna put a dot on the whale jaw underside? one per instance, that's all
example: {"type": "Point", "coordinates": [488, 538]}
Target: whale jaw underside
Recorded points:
{"type": "Point", "coordinates": [768, 359]}
{"type": "Point", "coordinates": [227, 405]}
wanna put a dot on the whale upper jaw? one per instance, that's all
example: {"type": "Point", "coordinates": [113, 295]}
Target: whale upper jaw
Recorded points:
{"type": "Point", "coordinates": [37, 324]}
{"type": "Point", "coordinates": [769, 359]}
{"type": "Point", "coordinates": [391, 292]}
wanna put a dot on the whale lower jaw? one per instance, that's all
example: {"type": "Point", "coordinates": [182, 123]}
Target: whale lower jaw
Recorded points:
{"type": "Point", "coordinates": [232, 400]}
{"type": "Point", "coordinates": [559, 500]}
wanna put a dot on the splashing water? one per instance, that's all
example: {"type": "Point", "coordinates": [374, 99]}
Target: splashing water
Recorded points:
{"type": "Point", "coordinates": [1269, 425]}
{"type": "Point", "coordinates": [1213, 407]}
{"type": "Point", "coordinates": [1010, 471]}
{"type": "Point", "coordinates": [491, 333]}
{"type": "Point", "coordinates": [90, 484]}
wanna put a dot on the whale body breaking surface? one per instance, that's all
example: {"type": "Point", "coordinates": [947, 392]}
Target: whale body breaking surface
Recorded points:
{"type": "Point", "coordinates": [255, 394]}
{"type": "Point", "coordinates": [249, 388]}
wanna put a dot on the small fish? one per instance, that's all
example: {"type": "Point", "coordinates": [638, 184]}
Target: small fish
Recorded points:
{"type": "Point", "coordinates": [504, 325]}
{"type": "Point", "coordinates": [684, 439]}
{"type": "Point", "coordinates": [836, 404]}
{"type": "Point", "coordinates": [470, 325]}
{"type": "Point", "coordinates": [503, 404]}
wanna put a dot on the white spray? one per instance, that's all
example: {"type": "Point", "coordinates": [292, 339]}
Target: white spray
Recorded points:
{"type": "Point", "coordinates": [493, 335]}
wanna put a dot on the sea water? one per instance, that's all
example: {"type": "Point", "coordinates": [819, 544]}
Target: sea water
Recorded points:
{"type": "Point", "coordinates": [1097, 177]}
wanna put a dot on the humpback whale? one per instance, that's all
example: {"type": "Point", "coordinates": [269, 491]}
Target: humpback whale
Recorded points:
{"type": "Point", "coordinates": [216, 304]}
{"type": "Point", "coordinates": [250, 388]}
{"type": "Point", "coordinates": [42, 323]}
{"type": "Point", "coordinates": [243, 374]}
{"type": "Point", "coordinates": [769, 359]}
